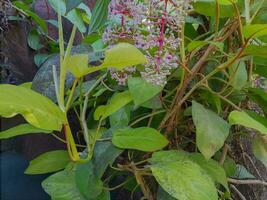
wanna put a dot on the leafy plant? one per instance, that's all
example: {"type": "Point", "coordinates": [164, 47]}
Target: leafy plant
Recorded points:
{"type": "Point", "coordinates": [163, 96]}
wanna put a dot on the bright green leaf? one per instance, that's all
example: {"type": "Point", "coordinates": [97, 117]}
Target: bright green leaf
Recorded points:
{"type": "Point", "coordinates": [77, 64]}
{"type": "Point", "coordinates": [255, 30]}
{"type": "Point", "coordinates": [48, 162]}
{"type": "Point", "coordinates": [120, 56]}
{"type": "Point", "coordinates": [143, 139]}
{"type": "Point", "coordinates": [38, 110]}
{"type": "Point", "coordinates": [211, 130]}
{"type": "Point", "coordinates": [21, 130]}
{"type": "Point", "coordinates": [208, 7]}
{"type": "Point", "coordinates": [253, 121]}
{"type": "Point", "coordinates": [142, 91]}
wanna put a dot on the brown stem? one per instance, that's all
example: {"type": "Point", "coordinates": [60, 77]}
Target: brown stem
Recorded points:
{"type": "Point", "coordinates": [247, 182]}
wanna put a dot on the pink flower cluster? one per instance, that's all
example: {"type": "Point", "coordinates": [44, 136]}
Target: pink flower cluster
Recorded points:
{"type": "Point", "coordinates": [151, 27]}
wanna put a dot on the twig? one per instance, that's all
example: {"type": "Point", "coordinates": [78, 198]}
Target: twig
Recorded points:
{"type": "Point", "coordinates": [247, 182]}
{"type": "Point", "coordinates": [238, 192]}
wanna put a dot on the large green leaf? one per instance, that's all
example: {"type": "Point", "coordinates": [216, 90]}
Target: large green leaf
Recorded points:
{"type": "Point", "coordinates": [181, 177]}
{"type": "Point", "coordinates": [142, 91]}
{"type": "Point", "coordinates": [38, 110]}
{"type": "Point", "coordinates": [211, 130]}
{"type": "Point", "coordinates": [118, 101]}
{"type": "Point", "coordinates": [99, 15]}
{"type": "Point", "coordinates": [208, 7]}
{"type": "Point", "coordinates": [213, 168]}
{"type": "Point", "coordinates": [61, 186]}
{"type": "Point", "coordinates": [255, 30]}
{"type": "Point", "coordinates": [21, 130]}
{"type": "Point", "coordinates": [249, 120]}
{"type": "Point", "coordinates": [143, 139]}
{"type": "Point", "coordinates": [259, 146]}
{"type": "Point", "coordinates": [48, 162]}
{"type": "Point", "coordinates": [120, 118]}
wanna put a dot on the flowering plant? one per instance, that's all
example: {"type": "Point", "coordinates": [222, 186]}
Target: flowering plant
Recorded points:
{"type": "Point", "coordinates": [164, 99]}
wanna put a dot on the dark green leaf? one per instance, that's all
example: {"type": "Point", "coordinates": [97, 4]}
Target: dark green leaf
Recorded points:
{"type": "Point", "coordinates": [71, 4]}
{"type": "Point", "coordinates": [99, 15]}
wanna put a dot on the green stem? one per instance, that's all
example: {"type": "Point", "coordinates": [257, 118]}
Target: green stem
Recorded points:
{"type": "Point", "coordinates": [63, 67]}
{"type": "Point", "coordinates": [71, 94]}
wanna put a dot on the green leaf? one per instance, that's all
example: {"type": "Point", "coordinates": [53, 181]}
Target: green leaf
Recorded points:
{"type": "Point", "coordinates": [71, 4]}
{"type": "Point", "coordinates": [251, 120]}
{"type": "Point", "coordinates": [211, 130]}
{"type": "Point", "coordinates": [73, 16]}
{"type": "Point", "coordinates": [38, 110]}
{"type": "Point", "coordinates": [21, 130]}
{"type": "Point", "coordinates": [48, 162]}
{"type": "Point", "coordinates": [239, 75]}
{"type": "Point", "coordinates": [208, 7]}
{"type": "Point", "coordinates": [212, 168]}
{"type": "Point", "coordinates": [118, 101]}
{"type": "Point", "coordinates": [259, 146]}
{"type": "Point", "coordinates": [104, 154]}
{"type": "Point", "coordinates": [123, 55]}
{"type": "Point", "coordinates": [120, 56]}
{"type": "Point", "coordinates": [255, 50]}
{"type": "Point", "coordinates": [199, 44]}
{"type": "Point", "coordinates": [255, 30]}
{"type": "Point", "coordinates": [163, 195]}
{"type": "Point", "coordinates": [142, 91]}
{"type": "Point", "coordinates": [120, 118]}
{"type": "Point", "coordinates": [181, 177]}
{"type": "Point", "coordinates": [242, 173]}
{"type": "Point", "coordinates": [34, 40]}
{"type": "Point", "coordinates": [77, 64]}
{"type": "Point", "coordinates": [143, 139]}
{"type": "Point", "coordinates": [259, 96]}
{"type": "Point", "coordinates": [89, 185]}
{"type": "Point", "coordinates": [35, 17]}
{"type": "Point", "coordinates": [99, 15]}
{"type": "Point", "coordinates": [61, 186]}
